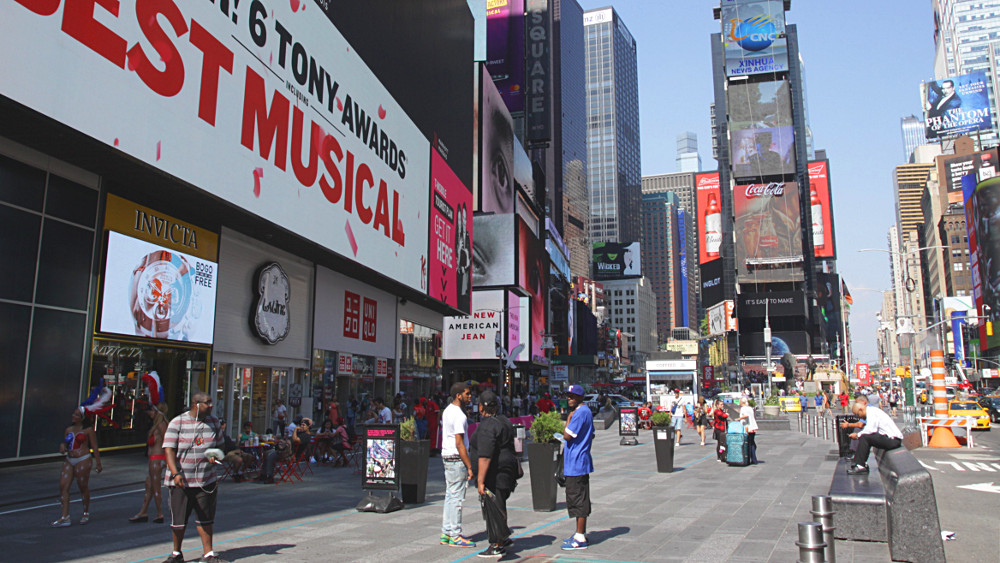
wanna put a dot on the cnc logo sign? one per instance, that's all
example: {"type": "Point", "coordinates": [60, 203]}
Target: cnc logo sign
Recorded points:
{"type": "Point", "coordinates": [754, 34]}
{"type": "Point", "coordinates": [360, 317]}
{"type": "Point", "coordinates": [271, 320]}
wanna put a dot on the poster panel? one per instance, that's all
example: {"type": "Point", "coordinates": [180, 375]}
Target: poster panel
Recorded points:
{"type": "Point", "coordinates": [381, 470]}
{"type": "Point", "coordinates": [450, 265]}
{"type": "Point", "coordinates": [505, 50]}
{"type": "Point", "coordinates": [156, 292]}
{"type": "Point", "coordinates": [629, 423]}
{"type": "Point", "coordinates": [762, 151]}
{"type": "Point", "coordinates": [768, 235]}
{"type": "Point", "coordinates": [711, 283]}
{"type": "Point", "coordinates": [710, 210]}
{"type": "Point", "coordinates": [473, 337]}
{"type": "Point", "coordinates": [497, 191]}
{"type": "Point", "coordinates": [821, 202]}
{"type": "Point", "coordinates": [617, 260]}
{"type": "Point", "coordinates": [264, 106]}
{"type": "Point", "coordinates": [758, 105]}
{"type": "Point", "coordinates": [956, 105]}
{"type": "Point", "coordinates": [753, 36]}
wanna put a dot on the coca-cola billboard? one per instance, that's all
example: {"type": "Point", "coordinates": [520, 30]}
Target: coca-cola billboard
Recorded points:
{"type": "Point", "coordinates": [710, 215]}
{"type": "Point", "coordinates": [824, 242]}
{"type": "Point", "coordinates": [768, 232]}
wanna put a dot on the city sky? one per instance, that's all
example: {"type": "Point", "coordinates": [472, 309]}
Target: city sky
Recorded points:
{"type": "Point", "coordinates": [864, 62]}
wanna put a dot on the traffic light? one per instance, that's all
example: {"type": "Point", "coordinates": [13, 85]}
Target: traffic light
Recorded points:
{"type": "Point", "coordinates": [989, 328]}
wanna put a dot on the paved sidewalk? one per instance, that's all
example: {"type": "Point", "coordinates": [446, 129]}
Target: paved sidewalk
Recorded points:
{"type": "Point", "coordinates": [704, 511]}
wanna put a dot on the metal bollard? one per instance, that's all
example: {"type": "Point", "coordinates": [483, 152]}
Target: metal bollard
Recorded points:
{"type": "Point", "coordinates": [810, 543]}
{"type": "Point", "coordinates": [822, 511]}
{"type": "Point", "coordinates": [800, 422]}
{"type": "Point", "coordinates": [826, 429]}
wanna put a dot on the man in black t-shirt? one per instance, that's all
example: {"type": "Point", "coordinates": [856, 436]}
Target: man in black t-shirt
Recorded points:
{"type": "Point", "coordinates": [496, 467]}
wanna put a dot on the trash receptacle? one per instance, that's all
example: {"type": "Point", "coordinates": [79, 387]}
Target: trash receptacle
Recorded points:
{"type": "Point", "coordinates": [843, 434]}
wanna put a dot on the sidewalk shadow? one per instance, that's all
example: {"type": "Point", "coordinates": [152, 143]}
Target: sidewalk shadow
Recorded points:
{"type": "Point", "coordinates": [531, 542]}
{"type": "Point", "coordinates": [599, 536]}
{"type": "Point", "coordinates": [238, 553]}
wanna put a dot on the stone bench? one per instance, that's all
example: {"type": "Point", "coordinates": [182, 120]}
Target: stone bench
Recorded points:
{"type": "Point", "coordinates": [859, 504]}
{"type": "Point", "coordinates": [913, 527]}
{"type": "Point", "coordinates": [605, 418]}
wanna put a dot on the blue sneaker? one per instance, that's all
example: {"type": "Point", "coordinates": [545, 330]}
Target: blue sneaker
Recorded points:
{"type": "Point", "coordinates": [572, 543]}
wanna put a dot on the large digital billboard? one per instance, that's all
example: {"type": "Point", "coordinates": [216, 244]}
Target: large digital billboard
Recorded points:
{"type": "Point", "coordinates": [821, 203]}
{"type": "Point", "coordinates": [982, 164]}
{"type": "Point", "coordinates": [497, 191]}
{"type": "Point", "coordinates": [505, 50]}
{"type": "Point", "coordinates": [710, 211]}
{"type": "Point", "coordinates": [493, 250]}
{"type": "Point", "coordinates": [828, 299]}
{"type": "Point", "coordinates": [759, 104]}
{"type": "Point", "coordinates": [768, 235]}
{"type": "Point", "coordinates": [711, 283]}
{"type": "Point", "coordinates": [532, 276]}
{"type": "Point", "coordinates": [614, 260]}
{"type": "Point", "coordinates": [157, 292]}
{"type": "Point", "coordinates": [450, 262]}
{"type": "Point", "coordinates": [956, 105]}
{"type": "Point", "coordinates": [753, 35]}
{"type": "Point", "coordinates": [764, 151]}
{"type": "Point", "coordinates": [264, 106]}
{"type": "Point", "coordinates": [982, 206]}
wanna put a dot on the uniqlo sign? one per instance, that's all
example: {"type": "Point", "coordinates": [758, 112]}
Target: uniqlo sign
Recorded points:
{"type": "Point", "coordinates": [360, 321]}
{"type": "Point", "coordinates": [381, 367]}
{"type": "Point", "coordinates": [345, 364]}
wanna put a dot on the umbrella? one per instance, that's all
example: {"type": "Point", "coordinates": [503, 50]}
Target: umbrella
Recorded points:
{"type": "Point", "coordinates": [496, 518]}
{"type": "Point", "coordinates": [472, 382]}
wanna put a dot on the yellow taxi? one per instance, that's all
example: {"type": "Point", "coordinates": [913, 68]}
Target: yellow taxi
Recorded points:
{"type": "Point", "coordinates": [970, 408]}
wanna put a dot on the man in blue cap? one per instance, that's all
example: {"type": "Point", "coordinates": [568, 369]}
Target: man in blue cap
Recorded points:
{"type": "Point", "coordinates": [578, 465]}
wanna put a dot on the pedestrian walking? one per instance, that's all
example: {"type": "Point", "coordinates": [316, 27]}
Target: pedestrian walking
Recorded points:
{"type": "Point", "coordinates": [457, 465]}
{"type": "Point", "coordinates": [578, 464]}
{"type": "Point", "coordinates": [156, 464]}
{"type": "Point", "coordinates": [496, 470]}
{"type": "Point", "coordinates": [844, 400]}
{"type": "Point", "coordinates": [191, 474]}
{"type": "Point", "coordinates": [701, 418]}
{"type": "Point", "coordinates": [79, 445]}
{"type": "Point", "coordinates": [747, 414]}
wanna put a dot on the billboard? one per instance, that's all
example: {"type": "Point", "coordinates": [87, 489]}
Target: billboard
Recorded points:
{"type": "Point", "coordinates": [157, 292]}
{"type": "Point", "coordinates": [982, 164]}
{"type": "Point", "coordinates": [982, 204]}
{"type": "Point", "coordinates": [682, 258]}
{"type": "Point", "coordinates": [473, 337]}
{"type": "Point", "coordinates": [450, 254]}
{"type": "Point", "coordinates": [828, 298]}
{"type": "Point", "coordinates": [759, 104]}
{"type": "Point", "coordinates": [381, 457]}
{"type": "Point", "coordinates": [956, 105]}
{"type": "Point", "coordinates": [615, 260]}
{"type": "Point", "coordinates": [709, 206]}
{"type": "Point", "coordinates": [821, 202]}
{"type": "Point", "coordinates": [539, 72]}
{"type": "Point", "coordinates": [794, 342]}
{"type": "Point", "coordinates": [505, 50]}
{"type": "Point", "coordinates": [497, 192]}
{"type": "Point", "coordinates": [307, 138]}
{"type": "Point", "coordinates": [492, 251]}
{"type": "Point", "coordinates": [773, 304]}
{"type": "Point", "coordinates": [768, 234]}
{"type": "Point", "coordinates": [532, 276]}
{"type": "Point", "coordinates": [721, 318]}
{"type": "Point", "coordinates": [711, 283]}
{"type": "Point", "coordinates": [753, 35]}
{"type": "Point", "coordinates": [763, 151]}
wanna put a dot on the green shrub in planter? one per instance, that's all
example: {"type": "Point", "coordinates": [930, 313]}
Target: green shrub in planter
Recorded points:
{"type": "Point", "coordinates": [752, 403]}
{"type": "Point", "coordinates": [408, 430]}
{"type": "Point", "coordinates": [545, 425]}
{"type": "Point", "coordinates": [772, 400]}
{"type": "Point", "coordinates": [661, 419]}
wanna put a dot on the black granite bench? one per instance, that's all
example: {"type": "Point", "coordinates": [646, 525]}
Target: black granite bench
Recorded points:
{"type": "Point", "coordinates": [913, 527]}
{"type": "Point", "coordinates": [859, 504]}
{"type": "Point", "coordinates": [605, 418]}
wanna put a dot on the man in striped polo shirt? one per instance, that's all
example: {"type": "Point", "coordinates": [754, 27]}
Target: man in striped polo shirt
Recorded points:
{"type": "Point", "coordinates": [191, 476]}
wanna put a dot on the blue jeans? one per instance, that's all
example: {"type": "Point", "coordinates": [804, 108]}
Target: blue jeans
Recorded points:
{"type": "Point", "coordinates": [456, 479]}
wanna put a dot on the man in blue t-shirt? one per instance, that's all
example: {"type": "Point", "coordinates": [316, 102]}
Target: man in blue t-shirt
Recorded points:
{"type": "Point", "coordinates": [578, 465]}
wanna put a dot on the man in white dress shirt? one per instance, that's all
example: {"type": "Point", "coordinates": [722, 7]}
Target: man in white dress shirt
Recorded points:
{"type": "Point", "coordinates": [879, 431]}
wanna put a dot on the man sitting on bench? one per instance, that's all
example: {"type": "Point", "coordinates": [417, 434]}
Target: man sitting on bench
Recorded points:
{"type": "Point", "coordinates": [879, 430]}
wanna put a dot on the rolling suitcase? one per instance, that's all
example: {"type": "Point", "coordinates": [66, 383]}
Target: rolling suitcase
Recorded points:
{"type": "Point", "coordinates": [737, 449]}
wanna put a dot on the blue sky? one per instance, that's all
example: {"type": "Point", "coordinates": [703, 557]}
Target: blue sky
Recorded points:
{"type": "Point", "coordinates": [864, 64]}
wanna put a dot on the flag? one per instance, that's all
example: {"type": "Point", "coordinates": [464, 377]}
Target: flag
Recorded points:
{"type": "Point", "coordinates": [846, 292]}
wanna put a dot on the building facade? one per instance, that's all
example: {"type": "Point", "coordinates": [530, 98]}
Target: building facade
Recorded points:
{"type": "Point", "coordinates": [631, 307]}
{"type": "Point", "coordinates": [682, 185]}
{"type": "Point", "coordinates": [912, 129]}
{"type": "Point", "coordinates": [688, 159]}
{"type": "Point", "coordinates": [613, 156]}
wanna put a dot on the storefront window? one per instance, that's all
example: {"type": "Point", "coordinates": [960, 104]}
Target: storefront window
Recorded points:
{"type": "Point", "coordinates": [349, 376]}
{"type": "Point", "coordinates": [122, 364]}
{"type": "Point", "coordinates": [420, 360]}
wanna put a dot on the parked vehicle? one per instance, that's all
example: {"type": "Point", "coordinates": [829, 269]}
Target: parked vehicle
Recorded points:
{"type": "Point", "coordinates": [991, 404]}
{"type": "Point", "coordinates": [971, 409]}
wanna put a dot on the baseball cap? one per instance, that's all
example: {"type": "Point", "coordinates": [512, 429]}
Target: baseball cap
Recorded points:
{"type": "Point", "coordinates": [575, 390]}
{"type": "Point", "coordinates": [488, 398]}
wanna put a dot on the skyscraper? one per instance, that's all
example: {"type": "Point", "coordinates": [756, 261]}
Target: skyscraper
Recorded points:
{"type": "Point", "coordinates": [913, 135]}
{"type": "Point", "coordinates": [661, 249]}
{"type": "Point", "coordinates": [613, 159]}
{"type": "Point", "coordinates": [682, 185]}
{"type": "Point", "coordinates": [910, 181]}
{"type": "Point", "coordinates": [688, 159]}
